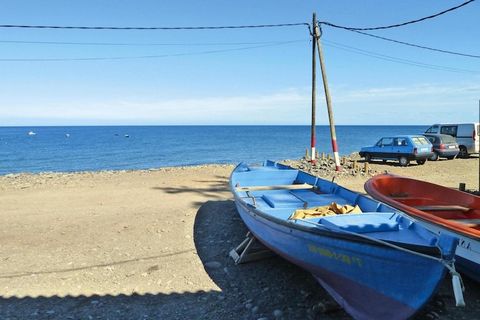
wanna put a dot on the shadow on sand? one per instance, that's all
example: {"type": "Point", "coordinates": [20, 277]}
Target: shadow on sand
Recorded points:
{"type": "Point", "coordinates": [256, 289]}
{"type": "Point", "coordinates": [248, 291]}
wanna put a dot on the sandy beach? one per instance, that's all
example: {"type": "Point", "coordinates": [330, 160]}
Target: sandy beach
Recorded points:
{"type": "Point", "coordinates": [153, 244]}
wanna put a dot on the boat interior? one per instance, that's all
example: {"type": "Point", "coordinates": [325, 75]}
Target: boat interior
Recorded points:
{"type": "Point", "coordinates": [452, 206]}
{"type": "Point", "coordinates": [278, 191]}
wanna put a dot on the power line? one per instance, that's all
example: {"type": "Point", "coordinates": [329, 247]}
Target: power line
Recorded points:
{"type": "Point", "coordinates": [279, 25]}
{"type": "Point", "coordinates": [133, 44]}
{"type": "Point", "coordinates": [418, 46]}
{"type": "Point", "coordinates": [147, 56]}
{"type": "Point", "coordinates": [396, 59]}
{"type": "Point", "coordinates": [398, 24]}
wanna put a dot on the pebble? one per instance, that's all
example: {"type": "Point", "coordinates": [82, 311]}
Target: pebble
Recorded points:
{"type": "Point", "coordinates": [326, 167]}
{"type": "Point", "coordinates": [255, 309]}
{"type": "Point", "coordinates": [213, 264]}
{"type": "Point", "coordinates": [249, 306]}
{"type": "Point", "coordinates": [263, 318]}
{"type": "Point", "coordinates": [319, 308]}
{"type": "Point", "coordinates": [277, 313]}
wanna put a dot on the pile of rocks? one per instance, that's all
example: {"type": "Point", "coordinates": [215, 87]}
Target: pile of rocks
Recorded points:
{"type": "Point", "coordinates": [352, 165]}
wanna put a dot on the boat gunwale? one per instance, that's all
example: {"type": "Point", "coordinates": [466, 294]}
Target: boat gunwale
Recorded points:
{"type": "Point", "coordinates": [322, 230]}
{"type": "Point", "coordinates": [417, 213]}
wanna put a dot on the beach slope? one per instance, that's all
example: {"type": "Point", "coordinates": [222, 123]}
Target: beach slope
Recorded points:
{"type": "Point", "coordinates": [154, 244]}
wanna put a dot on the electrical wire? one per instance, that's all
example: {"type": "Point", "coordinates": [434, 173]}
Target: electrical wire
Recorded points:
{"type": "Point", "coordinates": [418, 46]}
{"type": "Point", "coordinates": [279, 25]}
{"type": "Point", "coordinates": [133, 44]}
{"type": "Point", "coordinates": [398, 24]}
{"type": "Point", "coordinates": [396, 59]}
{"type": "Point", "coordinates": [147, 56]}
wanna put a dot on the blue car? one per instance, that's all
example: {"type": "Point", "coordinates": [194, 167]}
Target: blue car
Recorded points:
{"type": "Point", "coordinates": [403, 149]}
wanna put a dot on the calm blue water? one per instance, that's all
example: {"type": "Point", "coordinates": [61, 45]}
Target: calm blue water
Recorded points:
{"type": "Point", "coordinates": [99, 148]}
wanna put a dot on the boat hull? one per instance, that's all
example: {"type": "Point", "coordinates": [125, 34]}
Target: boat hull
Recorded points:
{"type": "Point", "coordinates": [422, 194]}
{"type": "Point", "coordinates": [467, 254]}
{"type": "Point", "coordinates": [359, 276]}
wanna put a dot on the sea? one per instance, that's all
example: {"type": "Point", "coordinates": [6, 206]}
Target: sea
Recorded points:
{"type": "Point", "coordinates": [94, 148]}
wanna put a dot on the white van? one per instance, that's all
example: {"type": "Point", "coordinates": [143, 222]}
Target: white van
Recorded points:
{"type": "Point", "coordinates": [467, 135]}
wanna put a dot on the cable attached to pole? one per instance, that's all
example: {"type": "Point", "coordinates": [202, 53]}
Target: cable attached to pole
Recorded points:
{"type": "Point", "coordinates": [398, 24]}
{"type": "Point", "coordinates": [417, 45]}
{"type": "Point", "coordinates": [279, 25]}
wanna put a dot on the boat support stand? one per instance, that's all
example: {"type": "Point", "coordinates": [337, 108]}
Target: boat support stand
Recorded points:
{"type": "Point", "coordinates": [250, 250]}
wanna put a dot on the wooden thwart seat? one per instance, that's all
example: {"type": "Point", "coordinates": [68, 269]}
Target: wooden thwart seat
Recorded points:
{"type": "Point", "coordinates": [442, 208]}
{"type": "Point", "coordinates": [277, 187]}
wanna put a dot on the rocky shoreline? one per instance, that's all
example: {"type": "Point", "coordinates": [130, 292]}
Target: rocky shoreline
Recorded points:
{"type": "Point", "coordinates": [352, 165]}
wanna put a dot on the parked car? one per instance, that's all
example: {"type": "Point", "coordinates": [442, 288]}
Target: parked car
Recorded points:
{"type": "Point", "coordinates": [403, 149]}
{"type": "Point", "coordinates": [444, 146]}
{"type": "Point", "coordinates": [467, 135]}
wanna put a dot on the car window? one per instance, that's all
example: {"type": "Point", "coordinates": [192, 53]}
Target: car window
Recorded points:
{"type": "Point", "coordinates": [420, 140]}
{"type": "Point", "coordinates": [423, 140]}
{"type": "Point", "coordinates": [448, 139]}
{"type": "Point", "coordinates": [432, 129]}
{"type": "Point", "coordinates": [450, 130]}
{"type": "Point", "coordinates": [387, 142]}
{"type": "Point", "coordinates": [400, 142]}
{"type": "Point", "coordinates": [431, 139]}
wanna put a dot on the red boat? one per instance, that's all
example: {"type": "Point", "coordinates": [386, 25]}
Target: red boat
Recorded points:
{"type": "Point", "coordinates": [442, 209]}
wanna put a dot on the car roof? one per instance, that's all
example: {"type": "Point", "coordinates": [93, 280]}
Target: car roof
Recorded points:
{"type": "Point", "coordinates": [405, 136]}
{"type": "Point", "coordinates": [453, 124]}
{"type": "Point", "coordinates": [436, 134]}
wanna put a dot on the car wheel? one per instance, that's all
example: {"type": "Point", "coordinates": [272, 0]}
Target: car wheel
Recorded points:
{"type": "Point", "coordinates": [434, 157]}
{"type": "Point", "coordinates": [368, 157]}
{"type": "Point", "coordinates": [403, 161]}
{"type": "Point", "coordinates": [420, 162]}
{"type": "Point", "coordinates": [463, 152]}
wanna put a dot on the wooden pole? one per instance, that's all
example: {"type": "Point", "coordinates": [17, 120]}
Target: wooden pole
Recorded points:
{"type": "Point", "coordinates": [333, 134]}
{"type": "Point", "coordinates": [478, 139]}
{"type": "Point", "coordinates": [313, 137]}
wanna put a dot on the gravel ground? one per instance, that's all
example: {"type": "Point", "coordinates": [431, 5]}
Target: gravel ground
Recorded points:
{"type": "Point", "coordinates": [154, 245]}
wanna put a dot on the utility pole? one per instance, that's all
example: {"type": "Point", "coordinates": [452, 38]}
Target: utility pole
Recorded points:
{"type": "Point", "coordinates": [313, 138]}
{"type": "Point", "coordinates": [478, 139]}
{"type": "Point", "coordinates": [316, 33]}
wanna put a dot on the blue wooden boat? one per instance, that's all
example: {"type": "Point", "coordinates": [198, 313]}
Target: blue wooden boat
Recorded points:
{"type": "Point", "coordinates": [377, 264]}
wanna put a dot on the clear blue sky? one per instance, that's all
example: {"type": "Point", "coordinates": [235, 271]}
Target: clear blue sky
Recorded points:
{"type": "Point", "coordinates": [269, 85]}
